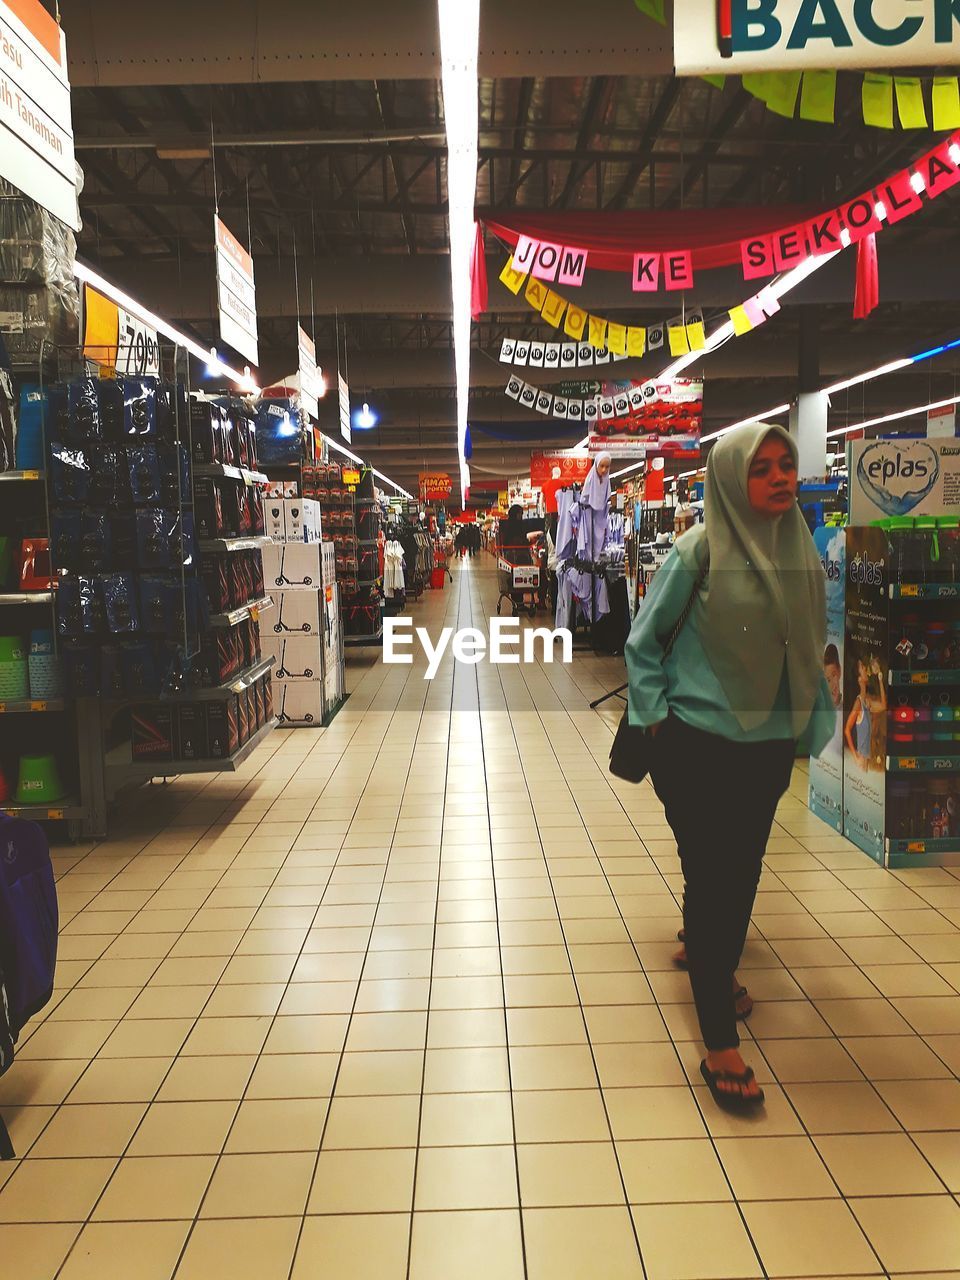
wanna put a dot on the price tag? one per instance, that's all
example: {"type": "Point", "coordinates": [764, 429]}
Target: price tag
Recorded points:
{"type": "Point", "coordinates": [916, 846]}
{"type": "Point", "coordinates": [3, 707]}
{"type": "Point", "coordinates": [911, 590]}
{"type": "Point", "coordinates": [907, 763]}
{"type": "Point", "coordinates": [32, 475]}
{"type": "Point", "coordinates": [921, 677]}
{"type": "Point", "coordinates": [255, 612]}
{"type": "Point", "coordinates": [138, 349]}
{"type": "Point", "coordinates": [38, 706]}
{"type": "Point", "coordinates": [54, 814]}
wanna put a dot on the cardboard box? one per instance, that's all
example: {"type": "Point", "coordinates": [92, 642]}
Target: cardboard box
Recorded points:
{"type": "Point", "coordinates": [297, 657]}
{"type": "Point", "coordinates": [193, 731]}
{"type": "Point", "coordinates": [154, 732]}
{"type": "Point", "coordinates": [328, 555]}
{"type": "Point", "coordinates": [302, 520]}
{"type": "Point", "coordinates": [223, 732]}
{"type": "Point", "coordinates": [300, 703]}
{"type": "Point", "coordinates": [291, 564]}
{"type": "Point", "coordinates": [274, 519]}
{"type": "Point", "coordinates": [294, 611]}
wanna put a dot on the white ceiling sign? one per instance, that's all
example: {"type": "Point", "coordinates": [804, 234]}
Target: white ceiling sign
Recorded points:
{"type": "Point", "coordinates": [36, 129]}
{"type": "Point", "coordinates": [785, 35]}
{"type": "Point", "coordinates": [236, 294]}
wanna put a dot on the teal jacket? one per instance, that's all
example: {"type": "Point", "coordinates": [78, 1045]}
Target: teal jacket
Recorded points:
{"type": "Point", "coordinates": [685, 682]}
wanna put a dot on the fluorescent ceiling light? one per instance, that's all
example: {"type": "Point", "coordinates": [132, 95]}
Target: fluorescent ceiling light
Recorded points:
{"type": "Point", "coordinates": [459, 22]}
{"type": "Point", "coordinates": [207, 355]}
{"type": "Point", "coordinates": [894, 417]}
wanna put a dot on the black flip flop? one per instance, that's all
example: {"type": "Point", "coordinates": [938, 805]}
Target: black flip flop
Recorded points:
{"type": "Point", "coordinates": [736, 1102]}
{"type": "Point", "coordinates": [740, 994]}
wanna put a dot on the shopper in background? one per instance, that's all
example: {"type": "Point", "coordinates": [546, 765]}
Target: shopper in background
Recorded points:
{"type": "Point", "coordinates": [743, 683]}
{"type": "Point", "coordinates": [513, 544]}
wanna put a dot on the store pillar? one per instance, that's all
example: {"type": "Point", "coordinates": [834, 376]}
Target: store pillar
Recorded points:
{"type": "Point", "coordinates": [808, 413]}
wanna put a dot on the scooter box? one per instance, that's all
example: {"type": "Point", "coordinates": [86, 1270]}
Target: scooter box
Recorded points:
{"type": "Point", "coordinates": [295, 611]}
{"type": "Point", "coordinates": [291, 564]}
{"type": "Point", "coordinates": [300, 702]}
{"type": "Point", "coordinates": [297, 658]}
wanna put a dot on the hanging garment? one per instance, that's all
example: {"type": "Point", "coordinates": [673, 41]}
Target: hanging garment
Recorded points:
{"type": "Point", "coordinates": [393, 579]}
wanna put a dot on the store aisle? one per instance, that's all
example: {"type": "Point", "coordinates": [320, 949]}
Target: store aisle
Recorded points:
{"type": "Point", "coordinates": [397, 1000]}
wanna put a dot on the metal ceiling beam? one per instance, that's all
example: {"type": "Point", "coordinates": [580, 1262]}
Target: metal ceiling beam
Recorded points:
{"type": "Point", "coordinates": [739, 102]}
{"type": "Point", "coordinates": [658, 119]}
{"type": "Point", "coordinates": [259, 41]}
{"type": "Point", "coordinates": [598, 101]}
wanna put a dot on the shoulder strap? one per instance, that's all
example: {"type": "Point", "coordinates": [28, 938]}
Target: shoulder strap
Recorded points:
{"type": "Point", "coordinates": [687, 608]}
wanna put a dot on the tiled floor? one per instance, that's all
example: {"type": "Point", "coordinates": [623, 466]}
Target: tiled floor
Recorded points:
{"type": "Point", "coordinates": [398, 1001]}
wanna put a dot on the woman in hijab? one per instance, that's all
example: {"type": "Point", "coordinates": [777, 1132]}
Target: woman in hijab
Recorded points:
{"type": "Point", "coordinates": [742, 685]}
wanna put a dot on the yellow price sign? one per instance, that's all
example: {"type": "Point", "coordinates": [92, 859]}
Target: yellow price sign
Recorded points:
{"type": "Point", "coordinates": [907, 763]}
{"type": "Point", "coordinates": [916, 846]}
{"type": "Point", "coordinates": [921, 677]}
{"type": "Point", "coordinates": [913, 590]}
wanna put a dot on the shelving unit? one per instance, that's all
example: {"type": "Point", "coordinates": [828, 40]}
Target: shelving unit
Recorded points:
{"type": "Point", "coordinates": [243, 681]}
{"type": "Point", "coordinates": [236, 616]}
{"type": "Point", "coordinates": [232, 544]}
{"type": "Point", "coordinates": [124, 771]}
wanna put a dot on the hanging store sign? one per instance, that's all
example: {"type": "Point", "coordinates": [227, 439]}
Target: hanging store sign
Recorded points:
{"type": "Point", "coordinates": [435, 486]}
{"type": "Point", "coordinates": [138, 347]}
{"type": "Point", "coordinates": [659, 417]}
{"type": "Point", "coordinates": [309, 400]}
{"type": "Point", "coordinates": [553, 471]}
{"type": "Point", "coordinates": [733, 36]}
{"type": "Point", "coordinates": [344, 392]}
{"type": "Point", "coordinates": [236, 294]}
{"type": "Point", "coordinates": [36, 128]}
{"type": "Point", "coordinates": [942, 421]}
{"type": "Point", "coordinates": [350, 477]}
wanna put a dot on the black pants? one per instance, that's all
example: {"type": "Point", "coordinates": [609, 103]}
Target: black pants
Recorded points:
{"type": "Point", "coordinates": [720, 799]}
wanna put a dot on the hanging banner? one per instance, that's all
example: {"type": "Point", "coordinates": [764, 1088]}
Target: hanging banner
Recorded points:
{"type": "Point", "coordinates": [826, 770]}
{"type": "Point", "coordinates": [36, 128]}
{"type": "Point", "coordinates": [344, 392]}
{"type": "Point", "coordinates": [864, 689]}
{"type": "Point", "coordinates": [640, 419]}
{"type": "Point", "coordinates": [942, 421]}
{"type": "Point", "coordinates": [309, 400]}
{"type": "Point", "coordinates": [903, 478]}
{"type": "Point", "coordinates": [553, 471]}
{"type": "Point", "coordinates": [236, 293]}
{"type": "Point", "coordinates": [435, 486]}
{"type": "Point", "coordinates": [733, 36]}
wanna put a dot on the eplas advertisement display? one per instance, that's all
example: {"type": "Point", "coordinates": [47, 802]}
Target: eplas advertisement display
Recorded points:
{"type": "Point", "coordinates": [826, 770]}
{"type": "Point", "coordinates": [865, 685]}
{"type": "Point", "coordinates": [893, 478]}
{"type": "Point", "coordinates": [655, 418]}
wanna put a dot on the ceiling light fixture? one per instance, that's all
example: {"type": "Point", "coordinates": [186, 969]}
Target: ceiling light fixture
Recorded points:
{"type": "Point", "coordinates": [893, 417]}
{"type": "Point", "coordinates": [459, 22]}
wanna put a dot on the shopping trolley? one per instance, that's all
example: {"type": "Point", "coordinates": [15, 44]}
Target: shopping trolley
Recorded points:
{"type": "Point", "coordinates": [518, 583]}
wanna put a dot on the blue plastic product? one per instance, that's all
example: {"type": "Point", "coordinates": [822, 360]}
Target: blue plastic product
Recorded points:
{"type": "Point", "coordinates": [29, 448]}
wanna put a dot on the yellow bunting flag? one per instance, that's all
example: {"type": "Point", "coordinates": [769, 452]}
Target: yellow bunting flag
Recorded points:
{"type": "Point", "coordinates": [636, 341]}
{"type": "Point", "coordinates": [741, 321]}
{"type": "Point", "coordinates": [575, 323]}
{"type": "Point", "coordinates": [946, 102]}
{"type": "Point", "coordinates": [877, 98]}
{"type": "Point", "coordinates": [818, 96]}
{"type": "Point", "coordinates": [598, 333]}
{"type": "Point", "coordinates": [697, 335]}
{"type": "Point", "coordinates": [910, 108]}
{"type": "Point", "coordinates": [757, 83]}
{"type": "Point", "coordinates": [716, 80]}
{"type": "Point", "coordinates": [512, 278]}
{"type": "Point", "coordinates": [553, 308]}
{"type": "Point", "coordinates": [782, 90]}
{"type": "Point", "coordinates": [677, 335]}
{"type": "Point", "coordinates": [617, 338]}
{"type": "Point", "coordinates": [536, 293]}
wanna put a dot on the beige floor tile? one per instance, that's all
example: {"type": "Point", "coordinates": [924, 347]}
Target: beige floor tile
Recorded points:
{"type": "Point", "coordinates": [775, 1169]}
{"type": "Point", "coordinates": [363, 1182]}
{"type": "Point", "coordinates": [465, 1070]}
{"type": "Point", "coordinates": [354, 1247]}
{"type": "Point", "coordinates": [560, 1115]}
{"type": "Point", "coordinates": [675, 1170]}
{"type": "Point", "coordinates": [39, 1249]}
{"type": "Point", "coordinates": [146, 1188]}
{"type": "Point", "coordinates": [465, 1119]}
{"type": "Point", "coordinates": [624, 1065]}
{"type": "Point", "coordinates": [54, 1190]}
{"type": "Point", "coordinates": [293, 1075]}
{"type": "Point", "coordinates": [183, 1129]}
{"type": "Point", "coordinates": [809, 1238]}
{"type": "Point", "coordinates": [877, 1164]}
{"type": "Point", "coordinates": [149, 1250]}
{"type": "Point", "coordinates": [569, 1244]}
{"type": "Point", "coordinates": [369, 1122]}
{"type": "Point", "coordinates": [473, 1245]}
{"type": "Point", "coordinates": [474, 1177]}
{"type": "Point", "coordinates": [932, 1104]}
{"type": "Point", "coordinates": [694, 1242]}
{"type": "Point", "coordinates": [943, 1152]}
{"type": "Point", "coordinates": [266, 1185]}
{"type": "Point", "coordinates": [152, 1038]}
{"type": "Point", "coordinates": [218, 1037]}
{"type": "Point", "coordinates": [207, 1079]}
{"type": "Point", "coordinates": [558, 1174]}
{"type": "Point", "coordinates": [252, 1249]}
{"type": "Point", "coordinates": [895, 1058]}
{"type": "Point", "coordinates": [552, 1067]}
{"type": "Point", "coordinates": [654, 1113]}
{"type": "Point", "coordinates": [841, 1108]}
{"type": "Point", "coordinates": [277, 1125]}
{"type": "Point", "coordinates": [917, 1233]}
{"type": "Point", "coordinates": [387, 1031]}
{"type": "Point", "coordinates": [89, 1130]}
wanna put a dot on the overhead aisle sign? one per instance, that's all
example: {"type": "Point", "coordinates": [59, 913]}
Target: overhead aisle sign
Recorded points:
{"type": "Point", "coordinates": [344, 407]}
{"type": "Point", "coordinates": [36, 128]}
{"type": "Point", "coordinates": [309, 401]}
{"type": "Point", "coordinates": [236, 294]}
{"type": "Point", "coordinates": [735, 36]}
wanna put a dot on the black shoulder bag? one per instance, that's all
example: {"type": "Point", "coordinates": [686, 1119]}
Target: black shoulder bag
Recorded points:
{"type": "Point", "coordinates": [630, 753]}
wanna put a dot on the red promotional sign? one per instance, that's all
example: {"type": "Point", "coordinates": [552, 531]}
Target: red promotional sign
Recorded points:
{"type": "Point", "coordinates": [553, 471]}
{"type": "Point", "coordinates": [435, 486]}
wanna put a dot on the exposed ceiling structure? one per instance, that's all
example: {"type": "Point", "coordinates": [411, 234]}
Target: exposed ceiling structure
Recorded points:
{"type": "Point", "coordinates": [319, 131]}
